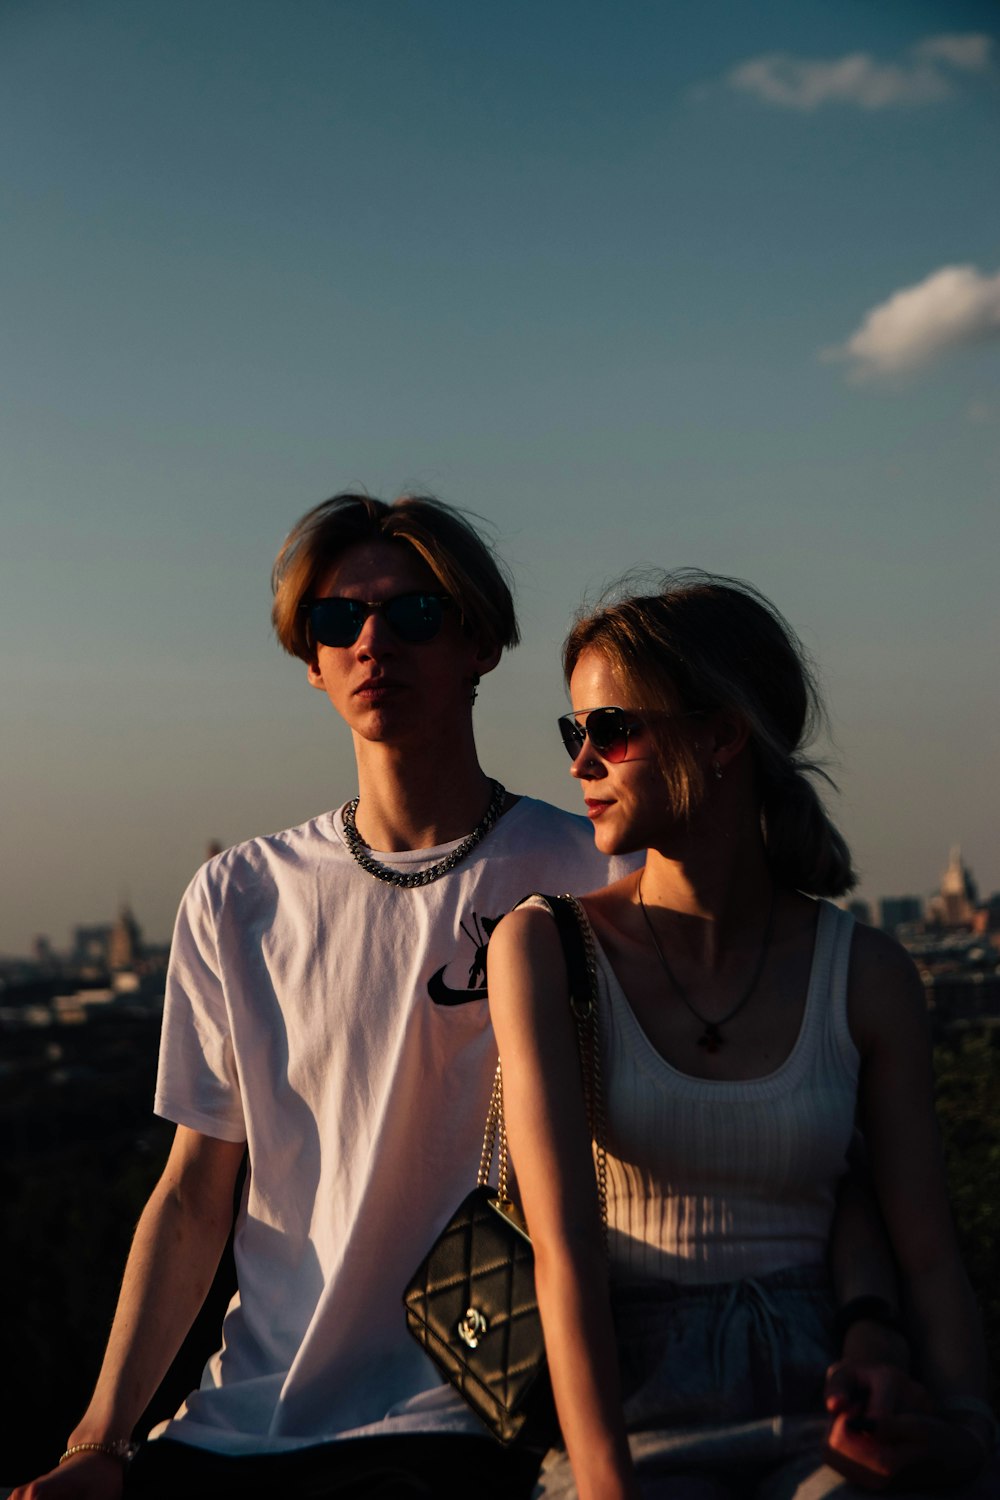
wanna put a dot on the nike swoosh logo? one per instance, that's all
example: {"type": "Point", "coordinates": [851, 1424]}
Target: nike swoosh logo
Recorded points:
{"type": "Point", "coordinates": [442, 994]}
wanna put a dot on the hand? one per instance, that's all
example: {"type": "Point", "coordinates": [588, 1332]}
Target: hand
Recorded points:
{"type": "Point", "coordinates": [872, 1390]}
{"type": "Point", "coordinates": [85, 1476]}
{"type": "Point", "coordinates": [910, 1450]}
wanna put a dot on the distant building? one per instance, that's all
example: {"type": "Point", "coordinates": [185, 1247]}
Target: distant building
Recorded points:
{"type": "Point", "coordinates": [987, 919]}
{"type": "Point", "coordinates": [861, 911]}
{"type": "Point", "coordinates": [90, 947]}
{"type": "Point", "coordinates": [956, 901]}
{"type": "Point", "coordinates": [124, 941]}
{"type": "Point", "coordinates": [957, 996]}
{"type": "Point", "coordinates": [899, 911]}
{"type": "Point", "coordinates": [43, 956]}
{"type": "Point", "coordinates": [106, 945]}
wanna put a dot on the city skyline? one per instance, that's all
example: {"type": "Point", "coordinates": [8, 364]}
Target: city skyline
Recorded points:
{"type": "Point", "coordinates": [101, 927]}
{"type": "Point", "coordinates": [714, 285]}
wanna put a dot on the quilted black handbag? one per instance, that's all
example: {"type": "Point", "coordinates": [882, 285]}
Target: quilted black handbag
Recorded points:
{"type": "Point", "coordinates": [471, 1302]}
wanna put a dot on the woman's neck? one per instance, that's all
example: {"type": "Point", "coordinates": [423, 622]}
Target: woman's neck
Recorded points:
{"type": "Point", "coordinates": [712, 896]}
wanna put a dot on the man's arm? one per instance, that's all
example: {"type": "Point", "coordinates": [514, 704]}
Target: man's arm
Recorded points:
{"type": "Point", "coordinates": [175, 1253]}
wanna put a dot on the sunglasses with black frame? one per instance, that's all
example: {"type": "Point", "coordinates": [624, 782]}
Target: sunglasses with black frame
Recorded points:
{"type": "Point", "coordinates": [608, 729]}
{"type": "Point", "coordinates": [413, 618]}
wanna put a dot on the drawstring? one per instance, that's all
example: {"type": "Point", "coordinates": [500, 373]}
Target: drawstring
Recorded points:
{"type": "Point", "coordinates": [764, 1318]}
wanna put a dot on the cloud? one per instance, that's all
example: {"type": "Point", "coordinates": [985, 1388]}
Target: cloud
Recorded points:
{"type": "Point", "coordinates": [971, 50]}
{"type": "Point", "coordinates": [985, 412]}
{"type": "Point", "coordinates": [952, 308]}
{"type": "Point", "coordinates": [924, 76]}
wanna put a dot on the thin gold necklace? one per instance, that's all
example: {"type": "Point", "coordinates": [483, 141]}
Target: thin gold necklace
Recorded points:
{"type": "Point", "coordinates": [711, 1038]}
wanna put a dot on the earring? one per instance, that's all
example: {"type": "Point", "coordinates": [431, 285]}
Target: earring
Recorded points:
{"type": "Point", "coordinates": [475, 686]}
{"type": "Point", "coordinates": [716, 770]}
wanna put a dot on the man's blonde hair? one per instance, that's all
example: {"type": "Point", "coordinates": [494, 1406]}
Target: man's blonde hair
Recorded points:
{"type": "Point", "coordinates": [464, 565]}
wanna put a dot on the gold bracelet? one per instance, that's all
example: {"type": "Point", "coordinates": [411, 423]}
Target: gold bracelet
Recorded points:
{"type": "Point", "coordinates": [121, 1448]}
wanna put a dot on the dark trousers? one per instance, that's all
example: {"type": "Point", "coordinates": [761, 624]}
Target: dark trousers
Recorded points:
{"type": "Point", "coordinates": [425, 1466]}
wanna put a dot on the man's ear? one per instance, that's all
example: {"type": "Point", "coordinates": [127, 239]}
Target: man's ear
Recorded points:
{"type": "Point", "coordinates": [487, 658]}
{"type": "Point", "coordinates": [314, 675]}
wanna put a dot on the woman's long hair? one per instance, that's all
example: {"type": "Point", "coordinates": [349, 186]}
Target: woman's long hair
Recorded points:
{"type": "Point", "coordinates": [704, 643]}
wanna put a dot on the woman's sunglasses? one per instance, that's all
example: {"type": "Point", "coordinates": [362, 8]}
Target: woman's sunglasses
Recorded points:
{"type": "Point", "coordinates": [337, 621]}
{"type": "Point", "coordinates": [607, 729]}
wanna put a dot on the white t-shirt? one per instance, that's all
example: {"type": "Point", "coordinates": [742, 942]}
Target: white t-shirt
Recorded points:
{"type": "Point", "coordinates": [340, 1026]}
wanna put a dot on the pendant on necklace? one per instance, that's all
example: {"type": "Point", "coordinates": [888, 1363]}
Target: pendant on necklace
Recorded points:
{"type": "Point", "coordinates": [711, 1038]}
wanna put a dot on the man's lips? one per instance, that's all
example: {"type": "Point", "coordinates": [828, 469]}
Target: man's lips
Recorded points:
{"type": "Point", "coordinates": [375, 689]}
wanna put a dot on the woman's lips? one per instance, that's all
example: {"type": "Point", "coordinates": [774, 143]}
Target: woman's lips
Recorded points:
{"type": "Point", "coordinates": [595, 808]}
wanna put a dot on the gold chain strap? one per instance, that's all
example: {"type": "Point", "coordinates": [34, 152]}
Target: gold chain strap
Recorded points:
{"type": "Point", "coordinates": [493, 1114]}
{"type": "Point", "coordinates": [495, 1139]}
{"type": "Point", "coordinates": [585, 1014]}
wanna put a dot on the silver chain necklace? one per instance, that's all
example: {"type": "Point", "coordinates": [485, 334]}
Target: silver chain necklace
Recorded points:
{"type": "Point", "coordinates": [711, 1038]}
{"type": "Point", "coordinates": [362, 855]}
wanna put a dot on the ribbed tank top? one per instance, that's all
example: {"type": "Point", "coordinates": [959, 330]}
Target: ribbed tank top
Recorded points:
{"type": "Point", "coordinates": [715, 1181]}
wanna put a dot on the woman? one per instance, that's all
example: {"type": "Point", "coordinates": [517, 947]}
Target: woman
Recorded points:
{"type": "Point", "coordinates": [743, 1022]}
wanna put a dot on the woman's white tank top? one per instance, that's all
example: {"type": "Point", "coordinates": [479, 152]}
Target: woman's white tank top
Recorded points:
{"type": "Point", "coordinates": [716, 1181]}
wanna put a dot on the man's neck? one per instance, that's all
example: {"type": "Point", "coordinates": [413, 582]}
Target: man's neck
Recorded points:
{"type": "Point", "coordinates": [409, 801]}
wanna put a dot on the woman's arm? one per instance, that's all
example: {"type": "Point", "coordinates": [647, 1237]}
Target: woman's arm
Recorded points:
{"type": "Point", "coordinates": [888, 1019]}
{"type": "Point", "coordinates": [550, 1145]}
{"type": "Point", "coordinates": [870, 1374]}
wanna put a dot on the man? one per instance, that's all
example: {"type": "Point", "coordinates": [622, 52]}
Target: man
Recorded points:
{"type": "Point", "coordinates": [326, 1013]}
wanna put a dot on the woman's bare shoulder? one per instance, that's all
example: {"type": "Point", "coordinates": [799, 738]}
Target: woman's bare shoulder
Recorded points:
{"type": "Point", "coordinates": [885, 991]}
{"type": "Point", "coordinates": [528, 932]}
{"type": "Point", "coordinates": [877, 957]}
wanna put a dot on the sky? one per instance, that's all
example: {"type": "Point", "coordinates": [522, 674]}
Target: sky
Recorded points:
{"type": "Point", "coordinates": [692, 282]}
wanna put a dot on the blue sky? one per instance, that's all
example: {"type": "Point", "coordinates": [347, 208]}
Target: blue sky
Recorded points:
{"type": "Point", "coordinates": [659, 284]}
